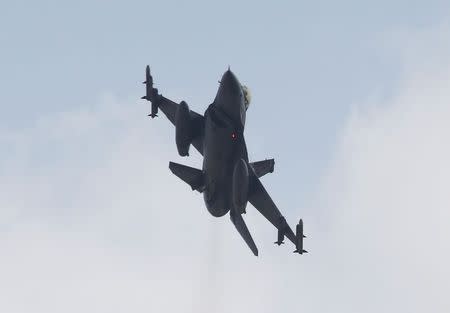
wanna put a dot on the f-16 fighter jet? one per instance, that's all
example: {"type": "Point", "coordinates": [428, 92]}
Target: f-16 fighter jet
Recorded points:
{"type": "Point", "coordinates": [227, 180]}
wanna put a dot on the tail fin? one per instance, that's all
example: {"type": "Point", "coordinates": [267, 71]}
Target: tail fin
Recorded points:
{"type": "Point", "coordinates": [191, 176]}
{"type": "Point", "coordinates": [239, 223]}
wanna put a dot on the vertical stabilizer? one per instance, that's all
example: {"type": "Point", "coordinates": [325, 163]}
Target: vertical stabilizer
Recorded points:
{"type": "Point", "coordinates": [239, 223]}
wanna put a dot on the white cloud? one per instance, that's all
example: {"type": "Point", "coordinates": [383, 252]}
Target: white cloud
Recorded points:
{"type": "Point", "coordinates": [389, 190]}
{"type": "Point", "coordinates": [91, 219]}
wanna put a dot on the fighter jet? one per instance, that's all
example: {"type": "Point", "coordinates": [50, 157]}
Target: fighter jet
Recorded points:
{"type": "Point", "coordinates": [228, 180]}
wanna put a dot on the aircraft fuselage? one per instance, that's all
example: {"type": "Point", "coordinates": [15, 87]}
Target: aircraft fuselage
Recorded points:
{"type": "Point", "coordinates": [224, 144]}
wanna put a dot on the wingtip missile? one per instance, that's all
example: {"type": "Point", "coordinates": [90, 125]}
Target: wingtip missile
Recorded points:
{"type": "Point", "coordinates": [148, 76]}
{"type": "Point", "coordinates": [151, 94]}
{"type": "Point", "coordinates": [299, 238]}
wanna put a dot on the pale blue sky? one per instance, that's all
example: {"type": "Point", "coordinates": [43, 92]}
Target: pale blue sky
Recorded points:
{"type": "Point", "coordinates": [305, 62]}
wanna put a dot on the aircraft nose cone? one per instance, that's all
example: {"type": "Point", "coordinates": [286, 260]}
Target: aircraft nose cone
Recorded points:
{"type": "Point", "coordinates": [230, 82]}
{"type": "Point", "coordinates": [230, 98]}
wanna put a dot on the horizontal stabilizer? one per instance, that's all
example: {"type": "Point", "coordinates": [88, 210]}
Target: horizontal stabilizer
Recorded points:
{"type": "Point", "coordinates": [261, 168]}
{"type": "Point", "coordinates": [239, 223]}
{"type": "Point", "coordinates": [191, 176]}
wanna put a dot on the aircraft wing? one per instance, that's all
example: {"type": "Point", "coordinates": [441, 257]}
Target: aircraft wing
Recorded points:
{"type": "Point", "coordinates": [169, 108]}
{"type": "Point", "coordinates": [261, 200]}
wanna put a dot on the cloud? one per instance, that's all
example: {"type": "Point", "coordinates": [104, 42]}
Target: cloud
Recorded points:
{"type": "Point", "coordinates": [91, 219]}
{"type": "Point", "coordinates": [388, 187]}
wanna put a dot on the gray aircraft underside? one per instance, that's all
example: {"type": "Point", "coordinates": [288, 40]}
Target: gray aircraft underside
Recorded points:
{"type": "Point", "coordinates": [227, 180]}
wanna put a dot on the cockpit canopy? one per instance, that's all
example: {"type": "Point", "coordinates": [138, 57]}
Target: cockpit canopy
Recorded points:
{"type": "Point", "coordinates": [247, 96]}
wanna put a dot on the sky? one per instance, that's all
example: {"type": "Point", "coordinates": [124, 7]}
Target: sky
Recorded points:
{"type": "Point", "coordinates": [350, 98]}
